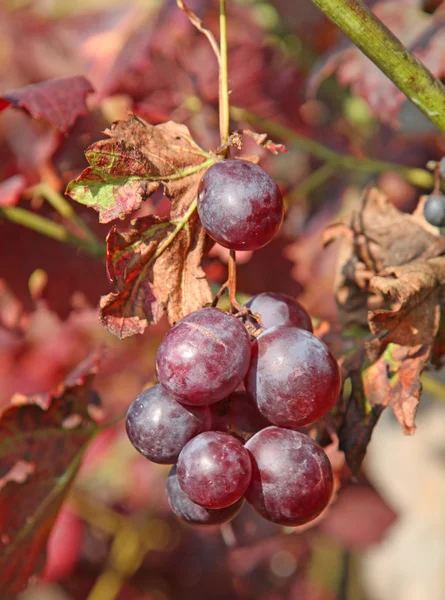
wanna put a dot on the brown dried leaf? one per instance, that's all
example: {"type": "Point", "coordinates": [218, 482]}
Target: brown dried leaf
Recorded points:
{"type": "Point", "coordinates": [386, 252]}
{"type": "Point", "coordinates": [130, 166]}
{"type": "Point", "coordinates": [155, 266]}
{"type": "Point", "coordinates": [417, 288]}
{"type": "Point", "coordinates": [394, 380]}
{"type": "Point", "coordinates": [40, 452]}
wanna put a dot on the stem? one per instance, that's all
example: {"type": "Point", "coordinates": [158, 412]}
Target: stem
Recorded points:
{"type": "Point", "coordinates": [415, 176]}
{"type": "Point", "coordinates": [379, 44]}
{"type": "Point", "coordinates": [196, 22]}
{"type": "Point", "coordinates": [314, 180]}
{"type": "Point", "coordinates": [224, 108]}
{"type": "Point", "coordinates": [64, 208]}
{"type": "Point", "coordinates": [343, 587]}
{"type": "Point", "coordinates": [231, 279]}
{"type": "Point", "coordinates": [49, 228]}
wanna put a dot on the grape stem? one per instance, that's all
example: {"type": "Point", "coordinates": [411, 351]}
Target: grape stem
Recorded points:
{"type": "Point", "coordinates": [196, 22]}
{"type": "Point", "coordinates": [231, 280]}
{"type": "Point", "coordinates": [335, 160]}
{"type": "Point", "coordinates": [224, 107]}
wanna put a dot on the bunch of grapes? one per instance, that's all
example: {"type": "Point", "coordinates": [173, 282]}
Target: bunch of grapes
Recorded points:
{"type": "Point", "coordinates": [225, 443]}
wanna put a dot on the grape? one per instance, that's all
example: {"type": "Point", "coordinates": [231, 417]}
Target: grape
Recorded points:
{"type": "Point", "coordinates": [159, 427]}
{"type": "Point", "coordinates": [292, 477]}
{"type": "Point", "coordinates": [239, 204]}
{"type": "Point", "coordinates": [214, 469]}
{"type": "Point", "coordinates": [293, 378]}
{"type": "Point", "coordinates": [204, 357]}
{"type": "Point", "coordinates": [434, 210]}
{"type": "Point", "coordinates": [279, 309]}
{"type": "Point", "coordinates": [238, 416]}
{"type": "Point", "coordinates": [192, 513]}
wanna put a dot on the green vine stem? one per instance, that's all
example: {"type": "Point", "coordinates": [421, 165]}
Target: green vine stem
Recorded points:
{"type": "Point", "coordinates": [415, 176]}
{"type": "Point", "coordinates": [379, 44]}
{"type": "Point", "coordinates": [53, 230]}
{"type": "Point", "coordinates": [224, 108]}
{"type": "Point", "coordinates": [64, 208]}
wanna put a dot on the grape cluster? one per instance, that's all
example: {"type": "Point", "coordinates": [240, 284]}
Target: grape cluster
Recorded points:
{"type": "Point", "coordinates": [227, 444]}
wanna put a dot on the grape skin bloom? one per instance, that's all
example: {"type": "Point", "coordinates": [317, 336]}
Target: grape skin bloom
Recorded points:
{"type": "Point", "coordinates": [239, 204]}
{"type": "Point", "coordinates": [214, 469]}
{"type": "Point", "coordinates": [159, 427]}
{"type": "Point", "coordinates": [204, 357]}
{"type": "Point", "coordinates": [293, 378]}
{"type": "Point", "coordinates": [292, 480]}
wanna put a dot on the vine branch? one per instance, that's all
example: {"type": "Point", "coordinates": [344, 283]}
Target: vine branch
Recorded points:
{"type": "Point", "coordinates": [414, 175]}
{"type": "Point", "coordinates": [379, 44]}
{"type": "Point", "coordinates": [53, 230]}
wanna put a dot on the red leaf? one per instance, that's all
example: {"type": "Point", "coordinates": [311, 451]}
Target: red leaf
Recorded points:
{"type": "Point", "coordinates": [42, 440]}
{"type": "Point", "coordinates": [359, 518]}
{"type": "Point", "coordinates": [59, 101]}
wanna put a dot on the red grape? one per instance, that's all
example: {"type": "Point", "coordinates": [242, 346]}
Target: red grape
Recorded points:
{"type": "Point", "coordinates": [238, 416]}
{"type": "Point", "coordinates": [204, 357]}
{"type": "Point", "coordinates": [293, 378]}
{"type": "Point", "coordinates": [292, 479]}
{"type": "Point", "coordinates": [239, 204]}
{"type": "Point", "coordinates": [192, 513]}
{"type": "Point", "coordinates": [279, 309]}
{"type": "Point", "coordinates": [159, 427]}
{"type": "Point", "coordinates": [214, 469]}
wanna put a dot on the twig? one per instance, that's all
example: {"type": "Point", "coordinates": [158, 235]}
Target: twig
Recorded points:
{"type": "Point", "coordinates": [343, 587]}
{"type": "Point", "coordinates": [379, 44]}
{"type": "Point", "coordinates": [63, 207]}
{"type": "Point", "coordinates": [415, 176]}
{"type": "Point", "coordinates": [224, 108]}
{"type": "Point", "coordinates": [231, 279]}
{"type": "Point", "coordinates": [196, 22]}
{"type": "Point", "coordinates": [53, 230]}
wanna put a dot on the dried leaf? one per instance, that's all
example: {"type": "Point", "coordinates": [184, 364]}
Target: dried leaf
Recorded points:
{"type": "Point", "coordinates": [155, 266]}
{"type": "Point", "coordinates": [386, 252]}
{"type": "Point", "coordinates": [59, 101]}
{"type": "Point", "coordinates": [125, 169]}
{"type": "Point", "coordinates": [394, 380]}
{"type": "Point", "coordinates": [358, 418]}
{"type": "Point", "coordinates": [417, 288]}
{"type": "Point", "coordinates": [40, 453]}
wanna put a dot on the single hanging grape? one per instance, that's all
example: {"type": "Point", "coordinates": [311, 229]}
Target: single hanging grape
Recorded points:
{"type": "Point", "coordinates": [239, 204]}
{"type": "Point", "coordinates": [434, 210]}
{"type": "Point", "coordinates": [292, 479]}
{"type": "Point", "coordinates": [204, 357]}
